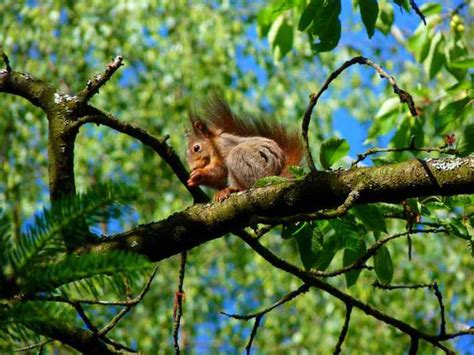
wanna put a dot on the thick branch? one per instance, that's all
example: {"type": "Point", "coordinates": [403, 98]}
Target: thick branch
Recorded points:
{"type": "Point", "coordinates": [38, 92]}
{"type": "Point", "coordinates": [79, 339]}
{"type": "Point", "coordinates": [320, 190]}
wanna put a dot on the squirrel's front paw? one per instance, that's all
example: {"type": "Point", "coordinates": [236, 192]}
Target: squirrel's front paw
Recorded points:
{"type": "Point", "coordinates": [196, 178]}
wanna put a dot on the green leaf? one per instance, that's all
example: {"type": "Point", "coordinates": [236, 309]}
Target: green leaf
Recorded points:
{"type": "Point", "coordinates": [307, 16]}
{"type": "Point", "coordinates": [291, 230]}
{"type": "Point", "coordinates": [463, 63]}
{"type": "Point", "coordinates": [466, 144]}
{"type": "Point", "coordinates": [51, 275]}
{"type": "Point", "coordinates": [456, 50]}
{"type": "Point", "coordinates": [371, 217]}
{"type": "Point", "coordinates": [435, 59]}
{"type": "Point", "coordinates": [332, 150]}
{"type": "Point", "coordinates": [369, 10]}
{"type": "Point", "coordinates": [326, 25]}
{"type": "Point", "coordinates": [385, 119]}
{"type": "Point", "coordinates": [350, 256]}
{"type": "Point", "coordinates": [270, 180]}
{"type": "Point", "coordinates": [281, 39]}
{"type": "Point", "coordinates": [450, 114]}
{"type": "Point", "coordinates": [432, 8]}
{"type": "Point", "coordinates": [383, 265]}
{"type": "Point", "coordinates": [270, 13]}
{"type": "Point", "coordinates": [308, 250]}
{"type": "Point", "coordinates": [419, 44]}
{"type": "Point", "coordinates": [385, 19]}
{"type": "Point", "coordinates": [403, 4]}
{"type": "Point", "coordinates": [43, 239]}
{"type": "Point", "coordinates": [459, 229]}
{"type": "Point", "coordinates": [298, 172]}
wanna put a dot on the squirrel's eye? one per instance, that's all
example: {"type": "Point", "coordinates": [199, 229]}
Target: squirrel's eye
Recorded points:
{"type": "Point", "coordinates": [196, 148]}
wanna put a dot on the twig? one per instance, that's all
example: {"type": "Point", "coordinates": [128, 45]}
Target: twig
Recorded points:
{"type": "Point", "coordinates": [8, 68]}
{"type": "Point", "coordinates": [442, 328]}
{"type": "Point", "coordinates": [288, 297]}
{"type": "Point", "coordinates": [339, 211]}
{"type": "Point", "coordinates": [414, 342]}
{"type": "Point", "coordinates": [108, 327]}
{"type": "Point", "coordinates": [443, 149]}
{"type": "Point", "coordinates": [79, 300]}
{"type": "Point", "coordinates": [160, 146]}
{"type": "Point", "coordinates": [119, 346]}
{"type": "Point", "coordinates": [259, 315]}
{"type": "Point", "coordinates": [344, 329]}
{"type": "Point", "coordinates": [415, 7]}
{"type": "Point", "coordinates": [82, 314]}
{"type": "Point", "coordinates": [98, 80]}
{"type": "Point", "coordinates": [178, 303]}
{"type": "Point", "coordinates": [33, 346]}
{"type": "Point", "coordinates": [404, 96]}
{"type": "Point", "coordinates": [410, 246]}
{"type": "Point", "coordinates": [377, 284]}
{"type": "Point", "coordinates": [371, 251]}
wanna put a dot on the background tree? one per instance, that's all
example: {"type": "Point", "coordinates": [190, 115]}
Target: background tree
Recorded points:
{"type": "Point", "coordinates": [59, 282]}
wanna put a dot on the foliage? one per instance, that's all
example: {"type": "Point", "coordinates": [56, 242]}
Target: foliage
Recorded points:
{"type": "Point", "coordinates": [39, 263]}
{"type": "Point", "coordinates": [174, 54]}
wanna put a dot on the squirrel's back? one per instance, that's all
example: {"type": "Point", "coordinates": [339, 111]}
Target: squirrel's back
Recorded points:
{"type": "Point", "coordinates": [219, 115]}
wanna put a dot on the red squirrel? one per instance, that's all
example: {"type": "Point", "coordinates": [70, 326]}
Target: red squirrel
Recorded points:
{"type": "Point", "coordinates": [231, 153]}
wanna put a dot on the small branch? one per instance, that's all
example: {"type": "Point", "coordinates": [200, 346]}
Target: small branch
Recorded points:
{"type": "Point", "coordinates": [415, 7]}
{"type": "Point", "coordinates": [98, 80]}
{"type": "Point", "coordinates": [256, 324]}
{"type": "Point", "coordinates": [8, 68]}
{"type": "Point", "coordinates": [259, 315]}
{"type": "Point", "coordinates": [288, 297]}
{"type": "Point", "coordinates": [158, 145]}
{"type": "Point", "coordinates": [107, 328]}
{"type": "Point", "coordinates": [346, 298]}
{"type": "Point", "coordinates": [443, 149]}
{"type": "Point", "coordinates": [86, 320]}
{"type": "Point", "coordinates": [377, 284]}
{"type": "Point", "coordinates": [33, 346]}
{"type": "Point", "coordinates": [339, 211]}
{"type": "Point", "coordinates": [442, 329]}
{"type": "Point", "coordinates": [79, 300]}
{"type": "Point", "coordinates": [344, 329]}
{"type": "Point", "coordinates": [178, 303]}
{"type": "Point", "coordinates": [414, 342]}
{"type": "Point", "coordinates": [404, 96]}
{"type": "Point", "coordinates": [469, 331]}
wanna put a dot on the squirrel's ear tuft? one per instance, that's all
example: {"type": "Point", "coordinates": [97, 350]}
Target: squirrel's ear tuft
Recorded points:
{"type": "Point", "coordinates": [200, 128]}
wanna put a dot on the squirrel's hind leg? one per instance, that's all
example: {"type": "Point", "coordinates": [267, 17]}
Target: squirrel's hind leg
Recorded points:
{"type": "Point", "coordinates": [221, 195]}
{"type": "Point", "coordinates": [253, 160]}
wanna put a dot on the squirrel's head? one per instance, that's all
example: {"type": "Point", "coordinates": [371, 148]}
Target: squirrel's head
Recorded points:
{"type": "Point", "coordinates": [200, 145]}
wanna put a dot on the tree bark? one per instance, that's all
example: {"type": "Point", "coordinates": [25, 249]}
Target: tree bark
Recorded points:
{"type": "Point", "coordinates": [319, 190]}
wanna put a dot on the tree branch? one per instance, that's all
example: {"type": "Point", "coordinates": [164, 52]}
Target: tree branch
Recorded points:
{"type": "Point", "coordinates": [259, 315]}
{"type": "Point", "coordinates": [344, 297]}
{"type": "Point", "coordinates": [444, 149]}
{"type": "Point", "coordinates": [98, 80]}
{"type": "Point", "coordinates": [320, 190]}
{"type": "Point", "coordinates": [344, 329]}
{"type": "Point", "coordinates": [178, 303]}
{"type": "Point", "coordinates": [404, 96]}
{"type": "Point", "coordinates": [160, 146]}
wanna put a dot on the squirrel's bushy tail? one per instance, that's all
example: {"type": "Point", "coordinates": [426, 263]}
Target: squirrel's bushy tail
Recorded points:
{"type": "Point", "coordinates": [218, 113]}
